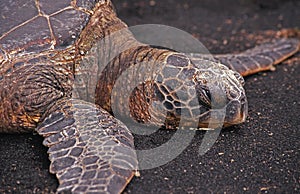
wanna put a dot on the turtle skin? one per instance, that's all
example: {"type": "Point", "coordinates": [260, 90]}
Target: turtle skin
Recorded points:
{"type": "Point", "coordinates": [89, 149]}
{"type": "Point", "coordinates": [51, 81]}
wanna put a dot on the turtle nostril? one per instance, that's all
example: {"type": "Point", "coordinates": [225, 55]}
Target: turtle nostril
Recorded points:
{"type": "Point", "coordinates": [243, 100]}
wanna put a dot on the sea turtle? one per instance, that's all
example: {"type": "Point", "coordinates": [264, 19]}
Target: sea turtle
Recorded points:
{"type": "Point", "coordinates": [48, 63]}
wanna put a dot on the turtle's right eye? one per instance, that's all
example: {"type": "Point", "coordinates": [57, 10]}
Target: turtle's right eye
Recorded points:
{"type": "Point", "coordinates": [206, 93]}
{"type": "Point", "coordinates": [204, 96]}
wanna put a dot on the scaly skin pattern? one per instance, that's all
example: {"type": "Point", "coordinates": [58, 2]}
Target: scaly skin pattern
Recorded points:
{"type": "Point", "coordinates": [33, 75]}
{"type": "Point", "coordinates": [260, 58]}
{"type": "Point", "coordinates": [29, 89]}
{"type": "Point", "coordinates": [65, 66]}
{"type": "Point", "coordinates": [89, 149]}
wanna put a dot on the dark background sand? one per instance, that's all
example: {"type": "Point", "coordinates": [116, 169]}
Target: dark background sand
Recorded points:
{"type": "Point", "coordinates": [259, 156]}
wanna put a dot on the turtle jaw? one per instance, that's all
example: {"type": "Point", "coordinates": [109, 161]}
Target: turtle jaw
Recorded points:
{"type": "Point", "coordinates": [236, 116]}
{"type": "Point", "coordinates": [233, 113]}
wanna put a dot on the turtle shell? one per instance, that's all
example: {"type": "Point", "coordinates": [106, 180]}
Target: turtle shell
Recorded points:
{"type": "Point", "coordinates": [36, 26]}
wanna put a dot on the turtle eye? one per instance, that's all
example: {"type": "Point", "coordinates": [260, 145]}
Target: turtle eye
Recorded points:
{"type": "Point", "coordinates": [206, 93]}
{"type": "Point", "coordinates": [204, 96]}
{"type": "Point", "coordinates": [239, 77]}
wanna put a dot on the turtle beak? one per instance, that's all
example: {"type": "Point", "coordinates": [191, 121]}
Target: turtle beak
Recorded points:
{"type": "Point", "coordinates": [236, 113]}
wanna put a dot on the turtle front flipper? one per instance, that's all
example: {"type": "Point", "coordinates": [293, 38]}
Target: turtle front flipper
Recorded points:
{"type": "Point", "coordinates": [89, 150]}
{"type": "Point", "coordinates": [259, 58]}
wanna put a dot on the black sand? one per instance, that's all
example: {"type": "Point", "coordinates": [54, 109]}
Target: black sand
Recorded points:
{"type": "Point", "coordinates": [259, 156]}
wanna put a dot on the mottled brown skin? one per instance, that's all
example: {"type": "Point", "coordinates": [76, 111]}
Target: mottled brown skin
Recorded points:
{"type": "Point", "coordinates": [50, 80]}
{"type": "Point", "coordinates": [19, 112]}
{"type": "Point", "coordinates": [36, 91]}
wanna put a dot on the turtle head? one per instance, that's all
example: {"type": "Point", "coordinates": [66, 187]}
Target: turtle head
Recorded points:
{"type": "Point", "coordinates": [195, 93]}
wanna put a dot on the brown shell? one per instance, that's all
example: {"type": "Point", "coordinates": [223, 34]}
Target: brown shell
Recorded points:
{"type": "Point", "coordinates": [36, 26]}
